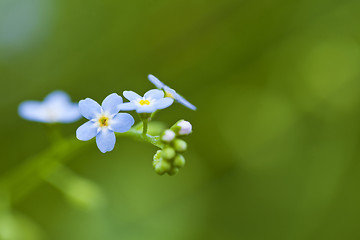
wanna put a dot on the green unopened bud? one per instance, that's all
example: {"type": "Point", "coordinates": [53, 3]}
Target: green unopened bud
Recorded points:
{"type": "Point", "coordinates": [179, 161]}
{"type": "Point", "coordinates": [168, 136]}
{"type": "Point", "coordinates": [157, 158]}
{"type": "Point", "coordinates": [162, 167]}
{"type": "Point", "coordinates": [180, 145]}
{"type": "Point", "coordinates": [173, 171]}
{"type": "Point", "coordinates": [182, 127]}
{"type": "Point", "coordinates": [168, 153]}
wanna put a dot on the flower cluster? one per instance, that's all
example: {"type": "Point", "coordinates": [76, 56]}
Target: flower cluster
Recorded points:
{"type": "Point", "coordinates": [108, 118]}
{"type": "Point", "coordinates": [170, 159]}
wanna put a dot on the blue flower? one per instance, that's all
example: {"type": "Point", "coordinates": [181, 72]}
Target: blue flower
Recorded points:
{"type": "Point", "coordinates": [56, 108]}
{"type": "Point", "coordinates": [169, 92]}
{"type": "Point", "coordinates": [103, 121]}
{"type": "Point", "coordinates": [152, 101]}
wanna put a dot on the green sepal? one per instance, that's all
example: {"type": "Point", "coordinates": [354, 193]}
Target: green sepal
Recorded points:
{"type": "Point", "coordinates": [180, 145]}
{"type": "Point", "coordinates": [179, 161]}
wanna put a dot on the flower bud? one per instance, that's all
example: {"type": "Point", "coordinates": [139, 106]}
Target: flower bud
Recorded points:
{"type": "Point", "coordinates": [182, 127]}
{"type": "Point", "coordinates": [157, 158]}
{"type": "Point", "coordinates": [168, 136]}
{"type": "Point", "coordinates": [173, 171]}
{"type": "Point", "coordinates": [162, 167]}
{"type": "Point", "coordinates": [179, 161]}
{"type": "Point", "coordinates": [180, 145]}
{"type": "Point", "coordinates": [168, 153]}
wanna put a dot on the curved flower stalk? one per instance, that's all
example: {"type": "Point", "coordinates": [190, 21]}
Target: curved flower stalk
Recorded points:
{"type": "Point", "coordinates": [169, 92]}
{"type": "Point", "coordinates": [106, 119]}
{"type": "Point", "coordinates": [56, 108]}
{"type": "Point", "coordinates": [105, 123]}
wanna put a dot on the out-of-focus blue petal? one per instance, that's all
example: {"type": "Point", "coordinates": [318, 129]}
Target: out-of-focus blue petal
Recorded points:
{"type": "Point", "coordinates": [86, 131]}
{"type": "Point", "coordinates": [184, 102]}
{"type": "Point", "coordinates": [57, 97]}
{"type": "Point", "coordinates": [111, 103]}
{"type": "Point", "coordinates": [131, 96]}
{"type": "Point", "coordinates": [154, 94]}
{"type": "Point", "coordinates": [33, 111]}
{"type": "Point", "coordinates": [163, 103]}
{"type": "Point", "coordinates": [56, 107]}
{"type": "Point", "coordinates": [179, 98]}
{"type": "Point", "coordinates": [89, 108]}
{"type": "Point", "coordinates": [70, 114]}
{"type": "Point", "coordinates": [146, 109]}
{"type": "Point", "coordinates": [155, 81]}
{"type": "Point", "coordinates": [122, 122]}
{"type": "Point", "coordinates": [105, 140]}
{"type": "Point", "coordinates": [129, 106]}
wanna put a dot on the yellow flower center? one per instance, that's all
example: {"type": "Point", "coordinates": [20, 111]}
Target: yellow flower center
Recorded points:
{"type": "Point", "coordinates": [144, 102]}
{"type": "Point", "coordinates": [104, 121]}
{"type": "Point", "coordinates": [167, 94]}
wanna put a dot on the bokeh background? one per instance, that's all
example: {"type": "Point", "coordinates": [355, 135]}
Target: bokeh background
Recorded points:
{"type": "Point", "coordinates": [275, 148]}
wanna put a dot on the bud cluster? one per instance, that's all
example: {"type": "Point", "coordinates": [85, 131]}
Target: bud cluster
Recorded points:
{"type": "Point", "coordinates": [170, 159]}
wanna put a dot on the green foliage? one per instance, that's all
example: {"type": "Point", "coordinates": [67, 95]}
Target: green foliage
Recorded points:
{"type": "Point", "coordinates": [275, 154]}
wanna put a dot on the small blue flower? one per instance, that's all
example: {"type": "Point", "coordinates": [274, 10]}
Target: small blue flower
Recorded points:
{"type": "Point", "coordinates": [152, 101]}
{"type": "Point", "coordinates": [169, 92]}
{"type": "Point", "coordinates": [56, 108]}
{"type": "Point", "coordinates": [103, 121]}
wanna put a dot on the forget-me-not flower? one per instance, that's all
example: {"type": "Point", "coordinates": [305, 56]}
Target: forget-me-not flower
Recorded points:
{"type": "Point", "coordinates": [56, 108]}
{"type": "Point", "coordinates": [103, 121]}
{"type": "Point", "coordinates": [169, 92]}
{"type": "Point", "coordinates": [153, 100]}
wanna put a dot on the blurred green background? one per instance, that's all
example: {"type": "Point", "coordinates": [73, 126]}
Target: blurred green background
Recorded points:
{"type": "Point", "coordinates": [275, 148]}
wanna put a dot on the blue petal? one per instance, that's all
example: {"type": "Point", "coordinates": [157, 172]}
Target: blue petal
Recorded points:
{"type": "Point", "coordinates": [155, 81]}
{"type": "Point", "coordinates": [154, 94]}
{"type": "Point", "coordinates": [129, 106]}
{"type": "Point", "coordinates": [184, 102]}
{"type": "Point", "coordinates": [89, 108]}
{"type": "Point", "coordinates": [163, 103]}
{"type": "Point", "coordinates": [122, 122]}
{"type": "Point", "coordinates": [33, 111]}
{"type": "Point", "coordinates": [86, 131]}
{"type": "Point", "coordinates": [105, 140]}
{"type": "Point", "coordinates": [130, 95]}
{"type": "Point", "coordinates": [179, 98]}
{"type": "Point", "coordinates": [70, 114]}
{"type": "Point", "coordinates": [111, 103]}
{"type": "Point", "coordinates": [146, 109]}
{"type": "Point", "coordinates": [57, 97]}
{"type": "Point", "coordinates": [169, 91]}
{"type": "Point", "coordinates": [59, 108]}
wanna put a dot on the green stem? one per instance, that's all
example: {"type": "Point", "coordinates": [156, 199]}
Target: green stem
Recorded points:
{"type": "Point", "coordinates": [29, 175]}
{"type": "Point", "coordinates": [145, 126]}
